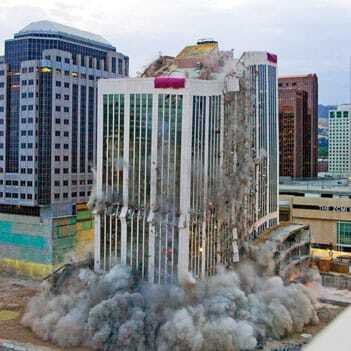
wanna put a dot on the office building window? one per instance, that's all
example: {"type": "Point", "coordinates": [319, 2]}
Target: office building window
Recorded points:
{"type": "Point", "coordinates": [344, 234]}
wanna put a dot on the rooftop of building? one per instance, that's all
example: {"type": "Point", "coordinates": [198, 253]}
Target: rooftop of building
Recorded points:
{"type": "Point", "coordinates": [54, 28]}
{"type": "Point", "coordinates": [342, 107]}
{"type": "Point", "coordinates": [198, 50]}
{"type": "Point", "coordinates": [202, 60]}
{"type": "Point", "coordinates": [298, 76]}
{"type": "Point", "coordinates": [322, 185]}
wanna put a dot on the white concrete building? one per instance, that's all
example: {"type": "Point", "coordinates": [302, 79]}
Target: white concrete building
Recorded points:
{"type": "Point", "coordinates": [160, 148]}
{"type": "Point", "coordinates": [340, 141]}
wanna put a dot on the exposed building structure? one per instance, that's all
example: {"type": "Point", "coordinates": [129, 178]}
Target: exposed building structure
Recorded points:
{"type": "Point", "coordinates": [180, 182]}
{"type": "Point", "coordinates": [309, 84]}
{"type": "Point", "coordinates": [339, 153]}
{"type": "Point", "coordinates": [289, 244]}
{"type": "Point", "coordinates": [292, 112]}
{"type": "Point", "coordinates": [48, 109]}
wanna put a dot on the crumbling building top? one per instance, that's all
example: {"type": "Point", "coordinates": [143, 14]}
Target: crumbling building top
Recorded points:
{"type": "Point", "coordinates": [203, 60]}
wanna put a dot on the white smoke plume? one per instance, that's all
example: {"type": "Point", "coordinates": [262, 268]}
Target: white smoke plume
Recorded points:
{"type": "Point", "coordinates": [233, 310]}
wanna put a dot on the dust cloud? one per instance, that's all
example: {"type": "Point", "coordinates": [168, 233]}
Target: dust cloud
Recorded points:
{"type": "Point", "coordinates": [232, 310]}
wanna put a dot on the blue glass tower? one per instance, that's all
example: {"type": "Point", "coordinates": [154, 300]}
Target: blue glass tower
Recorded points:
{"type": "Point", "coordinates": [48, 92]}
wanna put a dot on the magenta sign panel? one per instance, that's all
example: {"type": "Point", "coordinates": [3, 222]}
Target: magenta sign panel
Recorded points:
{"type": "Point", "coordinates": [272, 58]}
{"type": "Point", "coordinates": [169, 82]}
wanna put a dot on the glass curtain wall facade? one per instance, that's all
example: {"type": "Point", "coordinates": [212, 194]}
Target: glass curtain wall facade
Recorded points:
{"type": "Point", "coordinates": [263, 79]}
{"type": "Point", "coordinates": [48, 109]}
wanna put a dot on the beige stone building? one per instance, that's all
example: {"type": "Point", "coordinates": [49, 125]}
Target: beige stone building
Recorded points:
{"type": "Point", "coordinates": [325, 205]}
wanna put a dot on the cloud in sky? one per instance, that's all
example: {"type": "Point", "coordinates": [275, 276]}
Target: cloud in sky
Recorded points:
{"type": "Point", "coordinates": [308, 35]}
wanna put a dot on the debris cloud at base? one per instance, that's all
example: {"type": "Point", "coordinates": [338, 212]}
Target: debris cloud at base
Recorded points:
{"type": "Point", "coordinates": [233, 310]}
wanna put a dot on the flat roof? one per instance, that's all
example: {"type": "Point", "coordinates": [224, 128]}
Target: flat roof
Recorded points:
{"type": "Point", "coordinates": [339, 185]}
{"type": "Point", "coordinates": [291, 76]}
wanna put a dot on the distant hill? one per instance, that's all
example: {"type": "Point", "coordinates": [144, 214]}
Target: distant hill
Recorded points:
{"type": "Point", "coordinates": [323, 111]}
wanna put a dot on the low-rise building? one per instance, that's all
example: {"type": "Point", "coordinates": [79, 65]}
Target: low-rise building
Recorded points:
{"type": "Point", "coordinates": [325, 205]}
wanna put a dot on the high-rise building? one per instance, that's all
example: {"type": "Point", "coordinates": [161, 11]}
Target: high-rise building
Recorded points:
{"type": "Point", "coordinates": [177, 149]}
{"type": "Point", "coordinates": [309, 84]}
{"type": "Point", "coordinates": [48, 92]}
{"type": "Point", "coordinates": [339, 153]}
{"type": "Point", "coordinates": [292, 111]}
{"type": "Point", "coordinates": [264, 95]}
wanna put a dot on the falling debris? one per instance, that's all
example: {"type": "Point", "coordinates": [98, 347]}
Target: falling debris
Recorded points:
{"type": "Point", "coordinates": [233, 310]}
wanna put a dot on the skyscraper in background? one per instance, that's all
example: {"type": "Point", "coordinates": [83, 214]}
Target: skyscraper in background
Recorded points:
{"type": "Point", "coordinates": [309, 84]}
{"type": "Point", "coordinates": [339, 153]}
{"type": "Point", "coordinates": [48, 109]}
{"type": "Point", "coordinates": [48, 92]}
{"type": "Point", "coordinates": [292, 113]}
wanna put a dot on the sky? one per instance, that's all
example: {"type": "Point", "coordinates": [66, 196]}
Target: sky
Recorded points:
{"type": "Point", "coordinates": [309, 36]}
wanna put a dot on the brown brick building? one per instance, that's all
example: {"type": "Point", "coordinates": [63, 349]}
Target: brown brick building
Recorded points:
{"type": "Point", "coordinates": [309, 84]}
{"type": "Point", "coordinates": [292, 114]}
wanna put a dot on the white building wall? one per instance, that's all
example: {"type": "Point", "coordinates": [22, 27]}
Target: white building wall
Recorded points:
{"type": "Point", "coordinates": [167, 254]}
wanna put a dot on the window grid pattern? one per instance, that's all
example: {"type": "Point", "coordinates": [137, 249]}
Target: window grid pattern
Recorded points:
{"type": "Point", "coordinates": [83, 119]}
{"type": "Point", "coordinates": [343, 234]}
{"type": "Point", "coordinates": [197, 196]}
{"type": "Point", "coordinates": [45, 139]}
{"type": "Point", "coordinates": [112, 174]}
{"type": "Point", "coordinates": [170, 111]}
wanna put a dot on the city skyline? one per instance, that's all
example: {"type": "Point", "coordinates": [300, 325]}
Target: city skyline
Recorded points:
{"type": "Point", "coordinates": [266, 26]}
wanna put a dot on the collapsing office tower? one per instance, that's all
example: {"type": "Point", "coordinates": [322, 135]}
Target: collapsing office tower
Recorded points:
{"type": "Point", "coordinates": [179, 182]}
